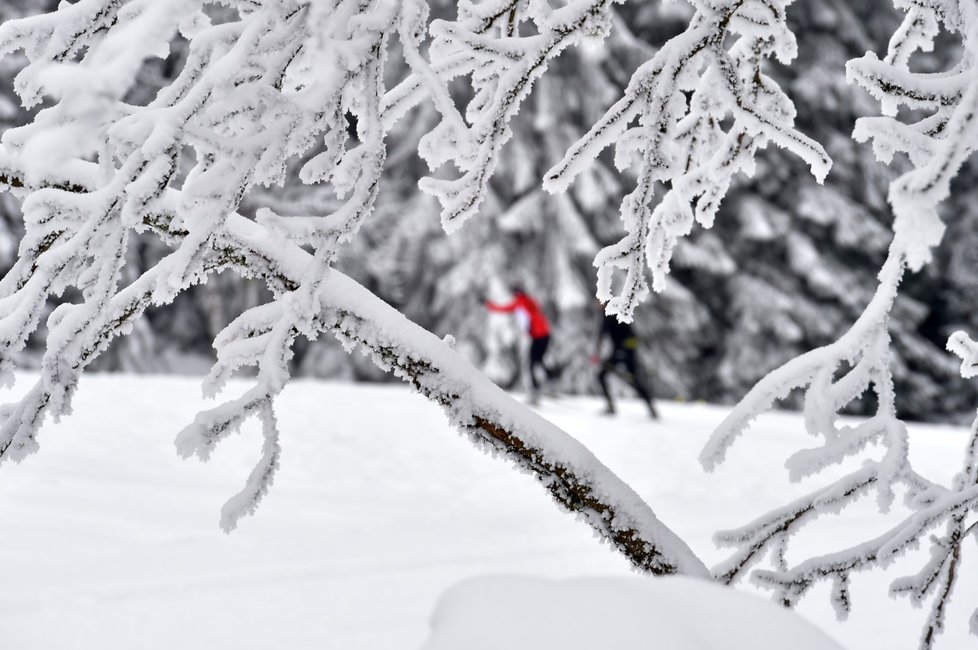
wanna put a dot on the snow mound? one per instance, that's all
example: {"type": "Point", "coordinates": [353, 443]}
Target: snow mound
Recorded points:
{"type": "Point", "coordinates": [674, 613]}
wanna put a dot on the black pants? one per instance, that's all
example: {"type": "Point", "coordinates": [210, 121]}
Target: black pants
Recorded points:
{"type": "Point", "coordinates": [538, 348]}
{"type": "Point", "coordinates": [624, 363]}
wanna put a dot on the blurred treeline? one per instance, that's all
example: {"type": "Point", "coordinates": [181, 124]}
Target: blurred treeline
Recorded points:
{"type": "Point", "coordinates": [788, 266]}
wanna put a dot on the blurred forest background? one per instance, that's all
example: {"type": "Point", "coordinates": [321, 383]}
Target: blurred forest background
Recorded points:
{"type": "Point", "coordinates": [788, 266]}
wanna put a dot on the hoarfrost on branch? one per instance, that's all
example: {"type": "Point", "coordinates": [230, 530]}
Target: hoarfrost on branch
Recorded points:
{"type": "Point", "coordinates": [256, 93]}
{"type": "Point", "coordinates": [937, 132]}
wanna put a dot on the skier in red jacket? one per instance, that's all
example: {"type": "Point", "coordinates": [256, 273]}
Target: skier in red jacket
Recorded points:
{"type": "Point", "coordinates": [528, 310]}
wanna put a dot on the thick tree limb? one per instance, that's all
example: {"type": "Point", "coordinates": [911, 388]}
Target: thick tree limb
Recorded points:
{"type": "Point", "coordinates": [492, 419]}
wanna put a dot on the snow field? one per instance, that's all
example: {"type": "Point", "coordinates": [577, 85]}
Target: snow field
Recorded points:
{"type": "Point", "coordinates": [111, 541]}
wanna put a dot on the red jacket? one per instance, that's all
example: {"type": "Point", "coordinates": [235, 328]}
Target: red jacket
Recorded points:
{"type": "Point", "coordinates": [539, 327]}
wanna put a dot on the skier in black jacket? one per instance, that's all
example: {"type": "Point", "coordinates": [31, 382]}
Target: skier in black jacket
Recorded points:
{"type": "Point", "coordinates": [622, 361]}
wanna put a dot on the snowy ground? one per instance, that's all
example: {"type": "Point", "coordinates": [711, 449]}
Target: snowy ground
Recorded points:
{"type": "Point", "coordinates": [109, 540]}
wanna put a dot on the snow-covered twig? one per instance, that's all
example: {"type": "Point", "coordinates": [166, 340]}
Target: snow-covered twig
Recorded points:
{"type": "Point", "coordinates": [704, 108]}
{"type": "Point", "coordinates": [503, 46]}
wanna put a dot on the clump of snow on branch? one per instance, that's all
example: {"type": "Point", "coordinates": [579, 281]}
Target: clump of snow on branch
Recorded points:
{"type": "Point", "coordinates": [961, 345]}
{"type": "Point", "coordinates": [937, 137]}
{"type": "Point", "coordinates": [587, 613]}
{"type": "Point", "coordinates": [703, 109]}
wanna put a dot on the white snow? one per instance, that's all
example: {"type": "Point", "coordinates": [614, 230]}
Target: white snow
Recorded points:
{"type": "Point", "coordinates": [111, 541]}
{"type": "Point", "coordinates": [677, 613]}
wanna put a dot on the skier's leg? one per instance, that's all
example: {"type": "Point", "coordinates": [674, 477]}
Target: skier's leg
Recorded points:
{"type": "Point", "coordinates": [537, 348]}
{"type": "Point", "coordinates": [606, 366]}
{"type": "Point", "coordinates": [552, 372]}
{"type": "Point", "coordinates": [540, 352]}
{"type": "Point", "coordinates": [635, 379]}
{"type": "Point", "coordinates": [542, 344]}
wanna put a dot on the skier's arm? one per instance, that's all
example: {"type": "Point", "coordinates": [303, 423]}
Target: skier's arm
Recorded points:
{"type": "Point", "coordinates": [508, 307]}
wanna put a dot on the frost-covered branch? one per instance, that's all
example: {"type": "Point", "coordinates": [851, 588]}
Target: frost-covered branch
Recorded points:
{"type": "Point", "coordinates": [937, 144]}
{"type": "Point", "coordinates": [703, 108]}
{"type": "Point", "coordinates": [488, 415]}
{"type": "Point", "coordinates": [261, 85]}
{"type": "Point", "coordinates": [771, 531]}
{"type": "Point", "coordinates": [502, 47]}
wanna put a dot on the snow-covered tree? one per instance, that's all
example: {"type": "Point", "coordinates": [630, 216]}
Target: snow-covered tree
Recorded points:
{"type": "Point", "coordinates": [275, 90]}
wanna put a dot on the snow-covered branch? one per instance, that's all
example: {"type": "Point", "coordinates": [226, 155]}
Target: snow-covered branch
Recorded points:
{"type": "Point", "coordinates": [487, 414]}
{"type": "Point", "coordinates": [503, 47]}
{"type": "Point", "coordinates": [937, 145]}
{"type": "Point", "coordinates": [704, 107]}
{"type": "Point", "coordinates": [261, 84]}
